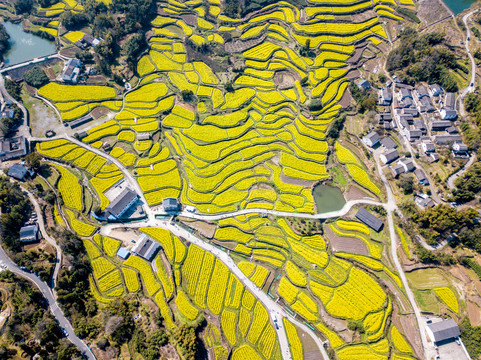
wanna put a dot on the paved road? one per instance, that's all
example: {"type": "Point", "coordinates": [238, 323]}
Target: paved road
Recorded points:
{"type": "Point", "coordinates": [47, 237]}
{"type": "Point", "coordinates": [468, 88]}
{"type": "Point", "coordinates": [30, 62]}
{"type": "Point", "coordinates": [327, 215]}
{"type": "Point", "coordinates": [24, 128]}
{"type": "Point", "coordinates": [390, 208]}
{"type": "Point", "coordinates": [53, 306]}
{"type": "Point", "coordinates": [276, 312]}
{"type": "Point", "coordinates": [461, 171]}
{"type": "Point", "coordinates": [128, 176]}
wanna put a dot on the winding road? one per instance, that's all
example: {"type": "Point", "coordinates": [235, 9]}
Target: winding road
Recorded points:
{"type": "Point", "coordinates": [469, 88]}
{"type": "Point", "coordinates": [327, 215]}
{"type": "Point", "coordinates": [47, 237]}
{"type": "Point", "coordinates": [461, 171]}
{"type": "Point", "coordinates": [276, 312]}
{"type": "Point", "coordinates": [390, 207]}
{"type": "Point", "coordinates": [53, 306]}
{"type": "Point", "coordinates": [128, 176]}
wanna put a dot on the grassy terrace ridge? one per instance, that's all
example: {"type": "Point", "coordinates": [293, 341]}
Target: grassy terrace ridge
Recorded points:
{"type": "Point", "coordinates": [228, 114]}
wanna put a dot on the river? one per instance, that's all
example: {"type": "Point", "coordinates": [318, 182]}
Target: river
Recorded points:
{"type": "Point", "coordinates": [25, 46]}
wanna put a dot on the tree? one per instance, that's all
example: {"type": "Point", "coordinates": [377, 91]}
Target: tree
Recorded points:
{"type": "Point", "coordinates": [406, 182]}
{"type": "Point", "coordinates": [33, 160]}
{"type": "Point", "coordinates": [13, 89]}
{"type": "Point", "coordinates": [4, 44]}
{"type": "Point", "coordinates": [73, 21]}
{"type": "Point", "coordinates": [36, 77]}
{"type": "Point", "coordinates": [132, 47]}
{"type": "Point", "coordinates": [367, 104]}
{"type": "Point", "coordinates": [187, 341]}
{"type": "Point", "coordinates": [229, 87]}
{"type": "Point", "coordinates": [23, 6]}
{"type": "Point", "coordinates": [98, 211]}
{"type": "Point", "coordinates": [187, 95]}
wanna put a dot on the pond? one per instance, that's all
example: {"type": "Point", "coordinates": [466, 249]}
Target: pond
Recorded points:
{"type": "Point", "coordinates": [458, 6]}
{"type": "Point", "coordinates": [328, 198]}
{"type": "Point", "coordinates": [25, 46]}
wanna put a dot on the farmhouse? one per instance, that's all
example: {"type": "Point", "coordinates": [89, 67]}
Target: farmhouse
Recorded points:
{"type": "Point", "coordinates": [421, 92]}
{"type": "Point", "coordinates": [450, 101]}
{"type": "Point", "coordinates": [405, 93]}
{"type": "Point", "coordinates": [71, 71]}
{"type": "Point", "coordinates": [13, 148]}
{"type": "Point", "coordinates": [434, 157]}
{"type": "Point", "coordinates": [364, 85]}
{"type": "Point", "coordinates": [419, 124]}
{"type": "Point", "coordinates": [388, 143]}
{"type": "Point", "coordinates": [396, 170]}
{"type": "Point", "coordinates": [369, 219]}
{"type": "Point", "coordinates": [407, 164]}
{"type": "Point", "coordinates": [426, 105]}
{"type": "Point", "coordinates": [440, 125]}
{"type": "Point", "coordinates": [170, 205]}
{"type": "Point", "coordinates": [410, 111]}
{"type": "Point", "coordinates": [146, 248]}
{"type": "Point", "coordinates": [122, 203]}
{"type": "Point", "coordinates": [446, 139]}
{"type": "Point", "coordinates": [389, 156]}
{"type": "Point", "coordinates": [385, 97]}
{"type": "Point", "coordinates": [421, 176]}
{"type": "Point", "coordinates": [448, 114]}
{"type": "Point", "coordinates": [18, 172]}
{"type": "Point", "coordinates": [29, 233]}
{"type": "Point", "coordinates": [427, 146]}
{"type": "Point", "coordinates": [435, 90]}
{"type": "Point", "coordinates": [371, 139]}
{"type": "Point", "coordinates": [424, 202]}
{"type": "Point", "coordinates": [443, 330]}
{"type": "Point", "coordinates": [414, 135]}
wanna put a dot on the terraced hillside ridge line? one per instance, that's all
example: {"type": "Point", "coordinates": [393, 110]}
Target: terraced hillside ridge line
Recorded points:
{"type": "Point", "coordinates": [242, 151]}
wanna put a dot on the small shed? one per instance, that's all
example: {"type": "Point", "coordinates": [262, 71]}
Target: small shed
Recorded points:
{"type": "Point", "coordinates": [369, 219]}
{"type": "Point", "coordinates": [123, 253]}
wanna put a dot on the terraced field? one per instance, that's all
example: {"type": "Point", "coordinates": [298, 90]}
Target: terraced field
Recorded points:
{"type": "Point", "coordinates": [247, 148]}
{"type": "Point", "coordinates": [252, 140]}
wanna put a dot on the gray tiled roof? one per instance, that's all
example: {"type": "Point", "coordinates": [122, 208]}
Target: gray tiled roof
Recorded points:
{"type": "Point", "coordinates": [444, 330]}
{"type": "Point", "coordinates": [17, 171]}
{"type": "Point", "coordinates": [388, 143]}
{"type": "Point", "coordinates": [369, 219]}
{"type": "Point", "coordinates": [146, 248]}
{"type": "Point", "coordinates": [118, 206]}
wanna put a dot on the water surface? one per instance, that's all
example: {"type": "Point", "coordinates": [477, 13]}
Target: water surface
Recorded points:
{"type": "Point", "coordinates": [25, 46]}
{"type": "Point", "coordinates": [458, 6]}
{"type": "Point", "coordinates": [328, 198]}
